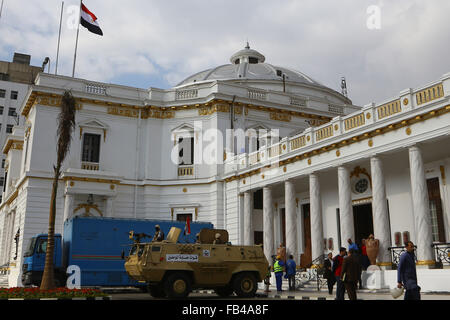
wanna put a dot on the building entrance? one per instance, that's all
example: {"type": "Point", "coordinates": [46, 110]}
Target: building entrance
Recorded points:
{"type": "Point", "coordinates": [363, 222]}
{"type": "Point", "coordinates": [306, 257]}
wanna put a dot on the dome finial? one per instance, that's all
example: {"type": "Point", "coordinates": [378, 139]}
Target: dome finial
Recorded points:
{"type": "Point", "coordinates": [248, 46]}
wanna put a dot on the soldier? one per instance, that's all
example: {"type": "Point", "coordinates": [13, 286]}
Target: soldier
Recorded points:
{"type": "Point", "coordinates": [197, 238]}
{"type": "Point", "coordinates": [159, 234]}
{"type": "Point", "coordinates": [218, 239]}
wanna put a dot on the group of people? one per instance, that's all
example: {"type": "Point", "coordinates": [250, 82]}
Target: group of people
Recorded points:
{"type": "Point", "coordinates": [290, 268]}
{"type": "Point", "coordinates": [345, 270]}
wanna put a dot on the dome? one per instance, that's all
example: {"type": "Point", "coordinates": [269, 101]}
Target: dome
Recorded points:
{"type": "Point", "coordinates": [249, 64]}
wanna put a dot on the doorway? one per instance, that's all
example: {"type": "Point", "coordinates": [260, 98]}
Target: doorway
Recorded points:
{"type": "Point", "coordinates": [306, 257]}
{"type": "Point", "coordinates": [363, 222]}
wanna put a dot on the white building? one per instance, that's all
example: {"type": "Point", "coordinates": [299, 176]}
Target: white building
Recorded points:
{"type": "Point", "coordinates": [306, 168]}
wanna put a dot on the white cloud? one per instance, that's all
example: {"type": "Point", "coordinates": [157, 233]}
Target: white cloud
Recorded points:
{"type": "Point", "coordinates": [174, 39]}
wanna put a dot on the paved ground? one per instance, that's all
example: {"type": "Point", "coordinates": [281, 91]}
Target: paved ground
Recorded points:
{"type": "Point", "coordinates": [273, 295]}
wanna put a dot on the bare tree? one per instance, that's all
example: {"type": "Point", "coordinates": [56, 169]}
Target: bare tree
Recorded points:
{"type": "Point", "coordinates": [66, 125]}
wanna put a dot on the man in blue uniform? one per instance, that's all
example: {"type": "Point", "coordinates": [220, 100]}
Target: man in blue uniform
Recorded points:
{"type": "Point", "coordinates": [278, 270]}
{"type": "Point", "coordinates": [406, 273]}
{"type": "Point", "coordinates": [291, 269]}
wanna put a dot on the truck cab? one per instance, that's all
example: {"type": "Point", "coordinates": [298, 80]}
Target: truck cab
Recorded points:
{"type": "Point", "coordinates": [34, 261]}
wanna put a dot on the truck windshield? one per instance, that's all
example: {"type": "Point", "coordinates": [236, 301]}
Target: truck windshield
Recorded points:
{"type": "Point", "coordinates": [30, 250]}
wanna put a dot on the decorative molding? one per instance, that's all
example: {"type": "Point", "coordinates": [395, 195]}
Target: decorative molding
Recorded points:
{"type": "Point", "coordinates": [66, 178]}
{"type": "Point", "coordinates": [216, 107]}
{"type": "Point", "coordinates": [361, 171]}
{"type": "Point", "coordinates": [13, 144]}
{"type": "Point", "coordinates": [277, 116]}
{"type": "Point", "coordinates": [88, 207]}
{"type": "Point", "coordinates": [362, 201]}
{"type": "Point", "coordinates": [367, 135]}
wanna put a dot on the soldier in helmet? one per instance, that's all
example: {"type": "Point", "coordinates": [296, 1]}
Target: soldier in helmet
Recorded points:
{"type": "Point", "coordinates": [159, 234]}
{"type": "Point", "coordinates": [197, 238]}
{"type": "Point", "coordinates": [218, 239]}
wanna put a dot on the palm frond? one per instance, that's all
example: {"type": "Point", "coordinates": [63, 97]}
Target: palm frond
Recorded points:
{"type": "Point", "coordinates": [66, 124]}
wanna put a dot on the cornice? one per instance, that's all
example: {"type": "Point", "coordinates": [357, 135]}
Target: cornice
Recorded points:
{"type": "Point", "coordinates": [151, 111]}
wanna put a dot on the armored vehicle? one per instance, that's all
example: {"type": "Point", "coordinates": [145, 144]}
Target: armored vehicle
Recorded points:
{"type": "Point", "coordinates": [173, 270]}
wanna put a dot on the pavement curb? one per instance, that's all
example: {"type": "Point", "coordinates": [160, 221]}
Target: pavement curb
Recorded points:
{"type": "Point", "coordinates": [288, 297]}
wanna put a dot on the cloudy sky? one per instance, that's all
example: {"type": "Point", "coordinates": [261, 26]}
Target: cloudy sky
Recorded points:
{"type": "Point", "coordinates": [155, 43]}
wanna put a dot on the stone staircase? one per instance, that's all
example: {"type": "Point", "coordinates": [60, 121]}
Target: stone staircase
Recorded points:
{"type": "Point", "coordinates": [4, 280]}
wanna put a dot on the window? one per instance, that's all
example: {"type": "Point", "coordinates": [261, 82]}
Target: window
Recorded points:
{"type": "Point", "coordinates": [1, 181]}
{"type": "Point", "coordinates": [12, 112]}
{"type": "Point", "coordinates": [1, 110]}
{"type": "Point", "coordinates": [5, 179]}
{"type": "Point", "coordinates": [91, 148]}
{"type": "Point", "coordinates": [2, 93]}
{"type": "Point", "coordinates": [4, 76]}
{"type": "Point", "coordinates": [14, 95]}
{"type": "Point", "coordinates": [3, 162]}
{"type": "Point", "coordinates": [186, 151]}
{"type": "Point", "coordinates": [42, 247]}
{"type": "Point", "coordinates": [184, 216]}
{"type": "Point", "coordinates": [9, 128]}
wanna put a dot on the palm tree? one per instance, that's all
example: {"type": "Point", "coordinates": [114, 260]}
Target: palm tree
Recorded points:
{"type": "Point", "coordinates": [66, 125]}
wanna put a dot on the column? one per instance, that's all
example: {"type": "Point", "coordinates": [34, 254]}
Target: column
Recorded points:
{"type": "Point", "coordinates": [345, 206]}
{"type": "Point", "coordinates": [268, 224]}
{"type": "Point", "coordinates": [381, 227]}
{"type": "Point", "coordinates": [248, 219]}
{"type": "Point", "coordinates": [68, 206]}
{"type": "Point", "coordinates": [421, 208]}
{"type": "Point", "coordinates": [291, 220]}
{"type": "Point", "coordinates": [109, 208]}
{"type": "Point", "coordinates": [316, 218]}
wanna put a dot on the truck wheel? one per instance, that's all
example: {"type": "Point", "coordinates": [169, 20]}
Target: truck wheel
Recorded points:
{"type": "Point", "coordinates": [224, 291]}
{"type": "Point", "coordinates": [245, 285]}
{"type": "Point", "coordinates": [156, 291]}
{"type": "Point", "coordinates": [177, 286]}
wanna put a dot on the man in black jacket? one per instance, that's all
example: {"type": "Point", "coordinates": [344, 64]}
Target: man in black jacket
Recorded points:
{"type": "Point", "coordinates": [328, 274]}
{"type": "Point", "coordinates": [351, 269]}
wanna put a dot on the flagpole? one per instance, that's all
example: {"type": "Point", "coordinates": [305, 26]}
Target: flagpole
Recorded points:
{"type": "Point", "coordinates": [1, 9]}
{"type": "Point", "coordinates": [59, 38]}
{"type": "Point", "coordinates": [76, 43]}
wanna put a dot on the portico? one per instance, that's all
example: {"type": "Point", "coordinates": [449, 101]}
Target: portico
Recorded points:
{"type": "Point", "coordinates": [384, 162]}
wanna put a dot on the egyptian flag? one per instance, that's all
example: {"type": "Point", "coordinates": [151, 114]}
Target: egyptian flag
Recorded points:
{"type": "Point", "coordinates": [89, 21]}
{"type": "Point", "coordinates": [187, 227]}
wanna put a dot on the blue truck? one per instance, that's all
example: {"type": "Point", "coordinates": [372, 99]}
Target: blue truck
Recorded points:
{"type": "Point", "coordinates": [96, 246]}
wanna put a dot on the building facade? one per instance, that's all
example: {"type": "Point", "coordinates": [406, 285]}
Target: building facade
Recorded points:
{"type": "Point", "coordinates": [15, 80]}
{"type": "Point", "coordinates": [263, 151]}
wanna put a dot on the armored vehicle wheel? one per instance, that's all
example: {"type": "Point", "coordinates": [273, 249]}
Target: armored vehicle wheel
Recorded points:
{"type": "Point", "coordinates": [224, 291]}
{"type": "Point", "coordinates": [156, 291]}
{"type": "Point", "coordinates": [245, 285]}
{"type": "Point", "coordinates": [177, 286]}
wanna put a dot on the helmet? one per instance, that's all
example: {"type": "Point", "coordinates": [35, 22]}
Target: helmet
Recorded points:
{"type": "Point", "coordinates": [217, 235]}
{"type": "Point", "coordinates": [157, 226]}
{"type": "Point", "coordinates": [278, 257]}
{"type": "Point", "coordinates": [397, 292]}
